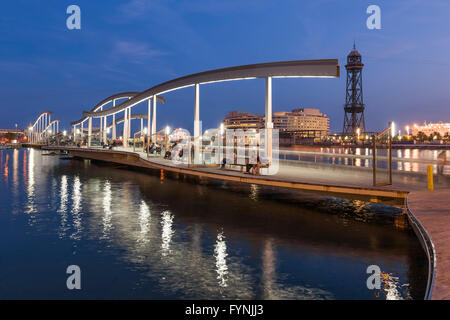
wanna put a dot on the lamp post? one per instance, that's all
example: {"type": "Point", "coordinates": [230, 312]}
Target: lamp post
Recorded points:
{"type": "Point", "coordinates": [222, 131]}
{"type": "Point", "coordinates": [167, 131]}
{"type": "Point", "coordinates": [145, 131]}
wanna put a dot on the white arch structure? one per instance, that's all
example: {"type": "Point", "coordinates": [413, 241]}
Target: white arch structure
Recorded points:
{"type": "Point", "coordinates": [141, 116]}
{"type": "Point", "coordinates": [95, 113]}
{"type": "Point", "coordinates": [36, 130]}
{"type": "Point", "coordinates": [325, 68]}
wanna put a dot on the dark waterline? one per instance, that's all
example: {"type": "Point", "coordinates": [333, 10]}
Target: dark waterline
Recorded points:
{"type": "Point", "coordinates": [134, 236]}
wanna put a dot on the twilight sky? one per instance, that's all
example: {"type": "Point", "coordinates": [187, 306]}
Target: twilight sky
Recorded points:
{"type": "Point", "coordinates": [133, 45]}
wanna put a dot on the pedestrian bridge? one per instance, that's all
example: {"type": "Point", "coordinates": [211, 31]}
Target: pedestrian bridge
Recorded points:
{"type": "Point", "coordinates": [346, 181]}
{"type": "Point", "coordinates": [351, 183]}
{"type": "Point", "coordinates": [333, 180]}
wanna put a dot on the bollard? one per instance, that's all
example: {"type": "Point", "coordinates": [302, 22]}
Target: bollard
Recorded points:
{"type": "Point", "coordinates": [162, 174]}
{"type": "Point", "coordinates": [430, 177]}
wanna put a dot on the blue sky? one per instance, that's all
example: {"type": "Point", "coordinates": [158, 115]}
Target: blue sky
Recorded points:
{"type": "Point", "coordinates": [135, 44]}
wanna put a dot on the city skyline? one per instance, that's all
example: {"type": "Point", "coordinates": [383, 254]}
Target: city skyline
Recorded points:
{"type": "Point", "coordinates": [210, 152]}
{"type": "Point", "coordinates": [119, 48]}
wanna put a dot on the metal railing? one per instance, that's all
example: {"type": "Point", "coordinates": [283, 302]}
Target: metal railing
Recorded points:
{"type": "Point", "coordinates": [383, 140]}
{"type": "Point", "coordinates": [428, 247]}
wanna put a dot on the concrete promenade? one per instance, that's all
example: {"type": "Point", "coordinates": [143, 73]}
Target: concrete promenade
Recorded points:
{"type": "Point", "coordinates": [432, 209]}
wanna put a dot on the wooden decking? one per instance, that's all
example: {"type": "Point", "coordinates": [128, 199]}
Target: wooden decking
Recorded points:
{"type": "Point", "coordinates": [432, 210]}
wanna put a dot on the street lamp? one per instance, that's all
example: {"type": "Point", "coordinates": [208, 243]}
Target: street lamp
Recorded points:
{"type": "Point", "coordinates": [392, 128]}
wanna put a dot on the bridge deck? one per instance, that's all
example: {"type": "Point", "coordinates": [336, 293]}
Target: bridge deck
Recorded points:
{"type": "Point", "coordinates": [345, 182]}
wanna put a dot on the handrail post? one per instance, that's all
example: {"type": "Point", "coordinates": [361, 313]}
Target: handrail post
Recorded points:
{"type": "Point", "coordinates": [374, 153]}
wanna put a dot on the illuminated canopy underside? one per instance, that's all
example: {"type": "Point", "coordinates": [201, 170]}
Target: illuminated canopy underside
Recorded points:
{"type": "Point", "coordinates": [327, 68]}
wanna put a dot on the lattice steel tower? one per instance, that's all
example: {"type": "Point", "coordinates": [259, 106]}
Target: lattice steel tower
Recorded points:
{"type": "Point", "coordinates": [354, 104]}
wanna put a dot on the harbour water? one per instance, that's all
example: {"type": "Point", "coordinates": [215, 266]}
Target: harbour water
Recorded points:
{"type": "Point", "coordinates": [134, 235]}
{"type": "Point", "coordinates": [403, 160]}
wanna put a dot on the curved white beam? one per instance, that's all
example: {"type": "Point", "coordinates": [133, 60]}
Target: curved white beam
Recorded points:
{"type": "Point", "coordinates": [326, 68]}
{"type": "Point", "coordinates": [40, 116]}
{"type": "Point", "coordinates": [105, 101]}
{"type": "Point", "coordinates": [133, 116]}
{"type": "Point", "coordinates": [50, 124]}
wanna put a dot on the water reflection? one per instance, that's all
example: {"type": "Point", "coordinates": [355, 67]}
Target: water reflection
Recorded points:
{"type": "Point", "coordinates": [30, 185]}
{"type": "Point", "coordinates": [254, 192]}
{"type": "Point", "coordinates": [107, 225]}
{"type": "Point", "coordinates": [391, 286]}
{"type": "Point", "coordinates": [15, 173]}
{"type": "Point", "coordinates": [167, 232]}
{"type": "Point", "coordinates": [224, 240]}
{"type": "Point", "coordinates": [76, 209]}
{"type": "Point", "coordinates": [64, 198]}
{"type": "Point", "coordinates": [220, 253]}
{"type": "Point", "coordinates": [268, 270]}
{"type": "Point", "coordinates": [144, 223]}
{"type": "Point", "coordinates": [6, 170]}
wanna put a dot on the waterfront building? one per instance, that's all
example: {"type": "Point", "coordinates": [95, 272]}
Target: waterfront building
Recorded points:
{"type": "Point", "coordinates": [243, 120]}
{"type": "Point", "coordinates": [309, 122]}
{"type": "Point", "coordinates": [431, 128]}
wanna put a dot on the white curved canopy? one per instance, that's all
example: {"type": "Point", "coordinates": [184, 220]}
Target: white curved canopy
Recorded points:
{"type": "Point", "coordinates": [326, 68]}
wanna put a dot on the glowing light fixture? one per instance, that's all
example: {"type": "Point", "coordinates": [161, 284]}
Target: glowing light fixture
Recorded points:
{"type": "Point", "coordinates": [392, 128]}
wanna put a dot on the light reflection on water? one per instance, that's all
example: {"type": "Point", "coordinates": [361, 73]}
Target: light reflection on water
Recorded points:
{"type": "Point", "coordinates": [220, 252]}
{"type": "Point", "coordinates": [135, 237]}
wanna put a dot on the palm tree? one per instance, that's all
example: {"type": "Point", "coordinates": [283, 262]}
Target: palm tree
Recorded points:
{"type": "Point", "coordinates": [421, 136]}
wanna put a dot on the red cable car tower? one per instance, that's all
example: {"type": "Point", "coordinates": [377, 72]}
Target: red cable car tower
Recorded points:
{"type": "Point", "coordinates": [354, 104]}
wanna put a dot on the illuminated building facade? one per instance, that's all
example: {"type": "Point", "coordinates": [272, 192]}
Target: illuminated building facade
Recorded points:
{"type": "Point", "coordinates": [431, 128]}
{"type": "Point", "coordinates": [243, 120]}
{"type": "Point", "coordinates": [303, 121]}
{"type": "Point", "coordinates": [308, 120]}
